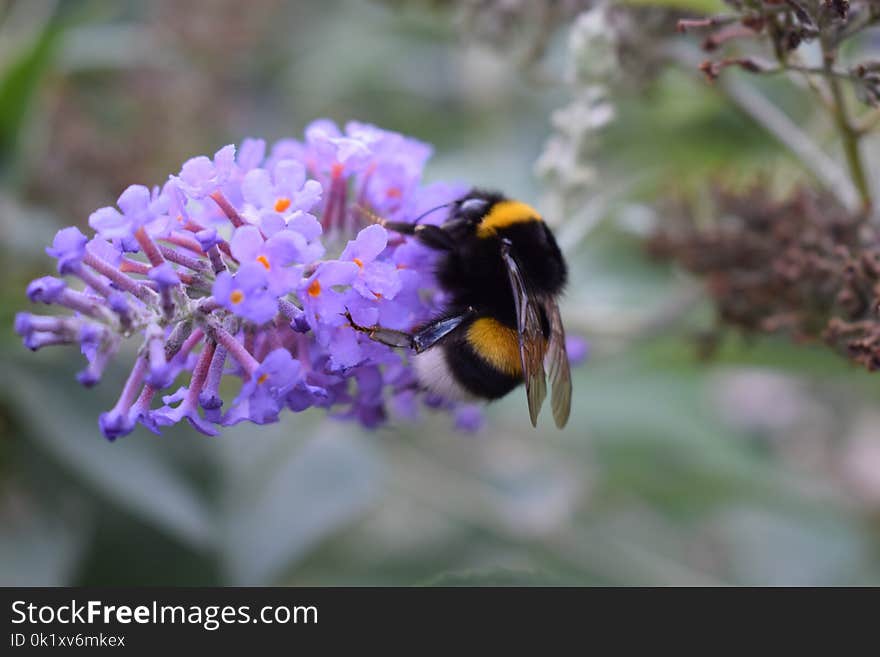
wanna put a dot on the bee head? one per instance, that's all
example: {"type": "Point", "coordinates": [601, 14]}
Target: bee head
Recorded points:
{"type": "Point", "coordinates": [493, 215]}
{"type": "Point", "coordinates": [471, 209]}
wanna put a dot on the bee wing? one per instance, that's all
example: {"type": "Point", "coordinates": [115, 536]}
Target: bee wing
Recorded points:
{"type": "Point", "coordinates": [557, 360]}
{"type": "Point", "coordinates": [531, 337]}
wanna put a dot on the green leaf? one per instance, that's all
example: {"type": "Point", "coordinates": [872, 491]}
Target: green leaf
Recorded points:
{"type": "Point", "coordinates": [19, 85]}
{"type": "Point", "coordinates": [495, 577]}
{"type": "Point", "coordinates": [698, 6]}
{"type": "Point", "coordinates": [686, 131]}
{"type": "Point", "coordinates": [133, 474]}
{"type": "Point", "coordinates": [773, 549]}
{"type": "Point", "coordinates": [37, 549]}
{"type": "Point", "coordinates": [302, 493]}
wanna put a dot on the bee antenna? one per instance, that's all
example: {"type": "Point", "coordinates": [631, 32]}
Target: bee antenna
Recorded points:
{"type": "Point", "coordinates": [426, 213]}
{"type": "Point", "coordinates": [375, 218]}
{"type": "Point", "coordinates": [372, 216]}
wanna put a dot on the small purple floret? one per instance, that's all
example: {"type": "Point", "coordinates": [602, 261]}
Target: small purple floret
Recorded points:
{"type": "Point", "coordinates": [164, 275]}
{"type": "Point", "coordinates": [114, 424]}
{"type": "Point", "coordinates": [578, 349]}
{"type": "Point", "coordinates": [246, 293]}
{"type": "Point", "coordinates": [46, 289]}
{"type": "Point", "coordinates": [68, 247]}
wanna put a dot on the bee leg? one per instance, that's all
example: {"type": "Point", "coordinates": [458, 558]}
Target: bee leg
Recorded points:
{"type": "Point", "coordinates": [423, 339]}
{"type": "Point", "coordinates": [431, 334]}
{"type": "Point", "coordinates": [385, 336]}
{"type": "Point", "coordinates": [429, 235]}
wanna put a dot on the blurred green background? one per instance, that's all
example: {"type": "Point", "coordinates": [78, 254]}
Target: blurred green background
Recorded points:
{"type": "Point", "coordinates": [760, 466]}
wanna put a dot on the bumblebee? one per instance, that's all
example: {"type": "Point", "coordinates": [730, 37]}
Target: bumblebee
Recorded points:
{"type": "Point", "coordinates": [503, 271]}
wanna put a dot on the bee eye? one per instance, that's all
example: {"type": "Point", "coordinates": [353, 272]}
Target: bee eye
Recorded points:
{"type": "Point", "coordinates": [474, 208]}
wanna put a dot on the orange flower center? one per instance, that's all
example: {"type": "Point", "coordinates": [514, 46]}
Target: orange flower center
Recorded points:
{"type": "Point", "coordinates": [263, 260]}
{"type": "Point", "coordinates": [282, 204]}
{"type": "Point", "coordinates": [263, 378]}
{"type": "Point", "coordinates": [359, 262]}
{"type": "Point", "coordinates": [315, 288]}
{"type": "Point", "coordinates": [336, 169]}
{"type": "Point", "coordinates": [236, 297]}
{"type": "Point", "coordinates": [394, 192]}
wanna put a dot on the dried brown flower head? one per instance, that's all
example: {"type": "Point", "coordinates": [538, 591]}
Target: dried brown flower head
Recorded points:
{"type": "Point", "coordinates": [803, 266]}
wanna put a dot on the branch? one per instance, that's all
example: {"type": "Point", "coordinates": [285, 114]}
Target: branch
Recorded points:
{"type": "Point", "coordinates": [780, 126]}
{"type": "Point", "coordinates": [848, 134]}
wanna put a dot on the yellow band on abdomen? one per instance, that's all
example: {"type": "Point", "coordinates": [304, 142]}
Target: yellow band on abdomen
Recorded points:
{"type": "Point", "coordinates": [496, 344]}
{"type": "Point", "coordinates": [506, 213]}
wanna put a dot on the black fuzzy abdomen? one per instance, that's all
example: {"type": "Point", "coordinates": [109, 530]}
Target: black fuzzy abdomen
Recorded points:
{"type": "Point", "coordinates": [473, 373]}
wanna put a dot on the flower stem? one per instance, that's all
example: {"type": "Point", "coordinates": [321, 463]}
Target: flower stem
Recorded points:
{"type": "Point", "coordinates": [185, 241]}
{"type": "Point", "coordinates": [132, 385]}
{"type": "Point", "coordinates": [228, 209]}
{"type": "Point", "coordinates": [234, 348]}
{"type": "Point", "coordinates": [181, 350]}
{"type": "Point", "coordinates": [848, 133]}
{"type": "Point", "coordinates": [200, 373]}
{"type": "Point", "coordinates": [216, 259]}
{"type": "Point", "coordinates": [122, 281]}
{"type": "Point", "coordinates": [151, 250]}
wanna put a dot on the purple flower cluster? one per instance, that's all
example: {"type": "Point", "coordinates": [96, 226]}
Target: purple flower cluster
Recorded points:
{"type": "Point", "coordinates": [242, 266]}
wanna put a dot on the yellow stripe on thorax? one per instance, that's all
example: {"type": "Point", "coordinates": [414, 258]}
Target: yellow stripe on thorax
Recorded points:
{"type": "Point", "coordinates": [506, 213]}
{"type": "Point", "coordinates": [497, 344]}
